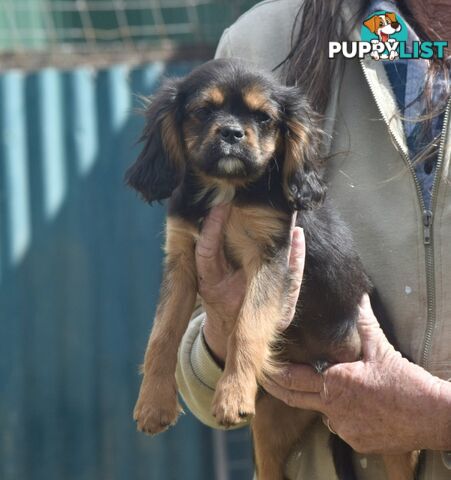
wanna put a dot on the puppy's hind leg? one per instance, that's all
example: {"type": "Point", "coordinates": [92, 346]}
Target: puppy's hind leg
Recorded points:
{"type": "Point", "coordinates": [276, 429]}
{"type": "Point", "coordinates": [157, 406]}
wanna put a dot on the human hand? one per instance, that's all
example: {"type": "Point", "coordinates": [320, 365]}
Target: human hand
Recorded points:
{"type": "Point", "coordinates": [223, 289]}
{"type": "Point", "coordinates": [380, 404]}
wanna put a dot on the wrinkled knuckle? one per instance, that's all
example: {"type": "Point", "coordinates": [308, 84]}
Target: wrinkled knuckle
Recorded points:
{"type": "Point", "coordinates": [299, 254]}
{"type": "Point", "coordinates": [208, 240]}
{"type": "Point", "coordinates": [287, 378]}
{"type": "Point", "coordinates": [205, 251]}
{"type": "Point", "coordinates": [215, 224]}
{"type": "Point", "coordinates": [290, 399]}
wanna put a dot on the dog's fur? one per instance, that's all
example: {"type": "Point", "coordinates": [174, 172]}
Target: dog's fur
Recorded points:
{"type": "Point", "coordinates": [229, 133]}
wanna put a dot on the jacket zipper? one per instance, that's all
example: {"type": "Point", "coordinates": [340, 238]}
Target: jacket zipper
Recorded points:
{"type": "Point", "coordinates": [428, 217]}
{"type": "Point", "coordinates": [428, 229]}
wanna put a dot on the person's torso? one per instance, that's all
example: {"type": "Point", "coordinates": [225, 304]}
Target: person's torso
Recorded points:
{"type": "Point", "coordinates": [371, 181]}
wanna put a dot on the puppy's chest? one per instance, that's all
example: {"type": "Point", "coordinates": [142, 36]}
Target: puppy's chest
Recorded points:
{"type": "Point", "coordinates": [254, 232]}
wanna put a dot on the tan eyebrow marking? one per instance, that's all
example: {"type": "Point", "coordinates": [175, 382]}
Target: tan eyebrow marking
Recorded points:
{"type": "Point", "coordinates": [209, 97]}
{"type": "Point", "coordinates": [214, 95]}
{"type": "Point", "coordinates": [256, 100]}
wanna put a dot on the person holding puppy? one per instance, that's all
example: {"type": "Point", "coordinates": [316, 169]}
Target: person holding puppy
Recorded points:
{"type": "Point", "coordinates": [389, 178]}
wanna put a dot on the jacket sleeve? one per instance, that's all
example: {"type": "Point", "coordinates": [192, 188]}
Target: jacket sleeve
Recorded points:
{"type": "Point", "coordinates": [197, 373]}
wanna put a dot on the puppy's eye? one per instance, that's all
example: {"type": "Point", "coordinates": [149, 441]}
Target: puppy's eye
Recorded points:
{"type": "Point", "coordinates": [262, 117]}
{"type": "Point", "coordinates": [202, 113]}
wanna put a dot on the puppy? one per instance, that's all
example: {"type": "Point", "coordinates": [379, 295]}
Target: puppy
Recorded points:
{"type": "Point", "coordinates": [229, 133]}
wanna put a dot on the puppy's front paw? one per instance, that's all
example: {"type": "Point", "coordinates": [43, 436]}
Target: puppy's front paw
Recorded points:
{"type": "Point", "coordinates": [157, 407]}
{"type": "Point", "coordinates": [393, 55]}
{"type": "Point", "coordinates": [375, 55]}
{"type": "Point", "coordinates": [232, 403]}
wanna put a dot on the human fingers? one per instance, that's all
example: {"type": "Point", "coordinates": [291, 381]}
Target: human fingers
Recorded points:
{"type": "Point", "coordinates": [296, 264]}
{"type": "Point", "coordinates": [294, 398]}
{"type": "Point", "coordinates": [296, 261]}
{"type": "Point", "coordinates": [209, 247]}
{"type": "Point", "coordinates": [374, 341]}
{"type": "Point", "coordinates": [299, 377]}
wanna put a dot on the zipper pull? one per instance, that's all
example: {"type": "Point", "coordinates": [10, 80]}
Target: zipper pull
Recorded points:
{"type": "Point", "coordinates": [427, 223]}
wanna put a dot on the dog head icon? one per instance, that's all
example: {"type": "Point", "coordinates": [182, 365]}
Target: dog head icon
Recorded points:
{"type": "Point", "coordinates": [383, 25]}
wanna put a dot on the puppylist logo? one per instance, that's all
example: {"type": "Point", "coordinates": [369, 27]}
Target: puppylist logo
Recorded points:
{"type": "Point", "coordinates": [384, 36]}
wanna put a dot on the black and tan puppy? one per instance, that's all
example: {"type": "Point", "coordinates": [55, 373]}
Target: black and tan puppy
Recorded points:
{"type": "Point", "coordinates": [228, 133]}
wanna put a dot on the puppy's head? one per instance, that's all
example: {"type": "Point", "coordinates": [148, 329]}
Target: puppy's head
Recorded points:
{"type": "Point", "coordinates": [229, 123]}
{"type": "Point", "coordinates": [383, 25]}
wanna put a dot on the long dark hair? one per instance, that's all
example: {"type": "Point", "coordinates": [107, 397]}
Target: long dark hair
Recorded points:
{"type": "Point", "coordinates": [316, 24]}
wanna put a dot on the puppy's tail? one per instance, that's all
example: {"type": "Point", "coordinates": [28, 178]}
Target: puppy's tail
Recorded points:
{"type": "Point", "coordinates": [342, 457]}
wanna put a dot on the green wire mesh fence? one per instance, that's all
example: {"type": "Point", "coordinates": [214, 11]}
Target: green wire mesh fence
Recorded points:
{"type": "Point", "coordinates": [92, 24]}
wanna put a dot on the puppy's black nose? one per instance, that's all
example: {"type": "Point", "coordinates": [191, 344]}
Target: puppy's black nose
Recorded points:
{"type": "Point", "coordinates": [231, 133]}
{"type": "Point", "coordinates": [395, 25]}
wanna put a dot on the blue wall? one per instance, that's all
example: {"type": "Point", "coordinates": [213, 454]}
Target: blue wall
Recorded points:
{"type": "Point", "coordinates": [79, 277]}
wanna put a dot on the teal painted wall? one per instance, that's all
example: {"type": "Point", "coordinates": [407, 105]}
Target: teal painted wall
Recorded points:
{"type": "Point", "coordinates": [79, 277]}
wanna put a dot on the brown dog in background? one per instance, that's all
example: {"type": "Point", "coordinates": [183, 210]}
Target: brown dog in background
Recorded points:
{"type": "Point", "coordinates": [231, 134]}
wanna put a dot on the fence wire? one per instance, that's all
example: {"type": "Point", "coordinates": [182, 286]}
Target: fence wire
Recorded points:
{"type": "Point", "coordinates": [89, 25]}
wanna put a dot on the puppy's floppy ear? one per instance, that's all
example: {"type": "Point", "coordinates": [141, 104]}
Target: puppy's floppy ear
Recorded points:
{"type": "Point", "coordinates": [371, 23]}
{"type": "Point", "coordinates": [302, 184]}
{"type": "Point", "coordinates": [160, 166]}
{"type": "Point", "coordinates": [391, 16]}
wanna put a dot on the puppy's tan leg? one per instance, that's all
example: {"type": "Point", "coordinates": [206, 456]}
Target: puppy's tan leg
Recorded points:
{"type": "Point", "coordinates": [276, 429]}
{"type": "Point", "coordinates": [249, 345]}
{"type": "Point", "coordinates": [157, 406]}
{"type": "Point", "coordinates": [401, 467]}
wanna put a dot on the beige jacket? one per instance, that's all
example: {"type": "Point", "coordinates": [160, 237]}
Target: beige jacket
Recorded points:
{"type": "Point", "coordinates": [374, 188]}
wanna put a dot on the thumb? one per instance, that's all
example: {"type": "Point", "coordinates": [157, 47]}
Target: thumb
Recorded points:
{"type": "Point", "coordinates": [210, 263]}
{"type": "Point", "coordinates": [374, 342]}
{"type": "Point", "coordinates": [296, 263]}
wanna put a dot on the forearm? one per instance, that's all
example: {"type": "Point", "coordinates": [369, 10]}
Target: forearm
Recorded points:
{"type": "Point", "coordinates": [215, 341]}
{"type": "Point", "coordinates": [197, 373]}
